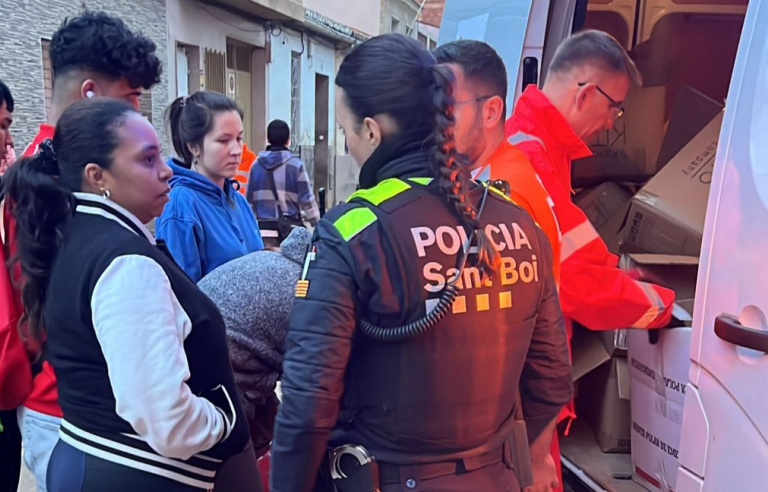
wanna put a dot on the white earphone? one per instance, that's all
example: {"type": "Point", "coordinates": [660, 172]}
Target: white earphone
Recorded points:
{"type": "Point", "coordinates": [89, 94]}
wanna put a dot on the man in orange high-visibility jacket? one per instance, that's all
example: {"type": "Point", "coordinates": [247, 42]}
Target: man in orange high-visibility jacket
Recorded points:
{"type": "Point", "coordinates": [588, 78]}
{"type": "Point", "coordinates": [481, 87]}
{"type": "Point", "coordinates": [247, 159]}
{"type": "Point", "coordinates": [479, 109]}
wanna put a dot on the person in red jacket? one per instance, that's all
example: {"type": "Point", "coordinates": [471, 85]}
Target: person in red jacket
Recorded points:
{"type": "Point", "coordinates": [588, 79]}
{"type": "Point", "coordinates": [15, 373]}
{"type": "Point", "coordinates": [92, 55]}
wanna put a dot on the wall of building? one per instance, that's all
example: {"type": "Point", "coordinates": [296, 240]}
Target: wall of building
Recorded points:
{"type": "Point", "coordinates": [403, 12]}
{"type": "Point", "coordinates": [24, 24]}
{"type": "Point", "coordinates": [317, 57]}
{"type": "Point", "coordinates": [364, 17]}
{"type": "Point", "coordinates": [203, 25]}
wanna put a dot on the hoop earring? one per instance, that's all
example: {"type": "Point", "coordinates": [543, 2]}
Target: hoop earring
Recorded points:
{"type": "Point", "coordinates": [105, 193]}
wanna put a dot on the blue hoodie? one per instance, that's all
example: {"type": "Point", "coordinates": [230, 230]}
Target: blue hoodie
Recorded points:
{"type": "Point", "coordinates": [205, 226]}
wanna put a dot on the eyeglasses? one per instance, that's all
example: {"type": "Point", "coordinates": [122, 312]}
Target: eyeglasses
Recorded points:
{"type": "Point", "coordinates": [475, 100]}
{"type": "Point", "coordinates": [617, 107]}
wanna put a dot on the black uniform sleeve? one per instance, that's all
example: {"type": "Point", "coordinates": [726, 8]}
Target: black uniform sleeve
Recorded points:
{"type": "Point", "coordinates": [546, 383]}
{"type": "Point", "coordinates": [317, 352]}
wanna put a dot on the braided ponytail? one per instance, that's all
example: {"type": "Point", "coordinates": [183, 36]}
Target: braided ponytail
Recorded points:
{"type": "Point", "coordinates": [452, 177]}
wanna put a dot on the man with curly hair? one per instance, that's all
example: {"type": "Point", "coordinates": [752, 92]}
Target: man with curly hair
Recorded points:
{"type": "Point", "coordinates": [97, 55]}
{"type": "Point", "coordinates": [93, 55]}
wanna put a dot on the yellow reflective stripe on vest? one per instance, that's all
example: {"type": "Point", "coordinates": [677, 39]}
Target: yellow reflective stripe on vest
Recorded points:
{"type": "Point", "coordinates": [657, 306]}
{"type": "Point", "coordinates": [354, 222]}
{"type": "Point", "coordinates": [381, 192]}
{"type": "Point", "coordinates": [577, 238]}
{"type": "Point", "coordinates": [500, 193]}
{"type": "Point", "coordinates": [421, 181]}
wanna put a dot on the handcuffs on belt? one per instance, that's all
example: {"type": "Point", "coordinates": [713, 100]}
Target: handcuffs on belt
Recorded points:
{"type": "Point", "coordinates": [353, 469]}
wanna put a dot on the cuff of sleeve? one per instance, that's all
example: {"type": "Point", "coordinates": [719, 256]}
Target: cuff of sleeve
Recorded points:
{"type": "Point", "coordinates": [536, 425]}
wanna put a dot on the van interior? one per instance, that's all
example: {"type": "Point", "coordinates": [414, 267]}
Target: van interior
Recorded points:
{"type": "Point", "coordinates": [685, 51]}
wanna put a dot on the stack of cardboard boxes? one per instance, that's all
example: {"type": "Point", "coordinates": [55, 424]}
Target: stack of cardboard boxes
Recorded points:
{"type": "Point", "coordinates": [631, 383]}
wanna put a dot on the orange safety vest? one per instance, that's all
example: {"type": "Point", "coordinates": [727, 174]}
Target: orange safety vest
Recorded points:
{"type": "Point", "coordinates": [509, 164]}
{"type": "Point", "coordinates": [244, 169]}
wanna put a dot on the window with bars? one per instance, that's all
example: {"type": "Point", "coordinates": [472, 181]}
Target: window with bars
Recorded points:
{"type": "Point", "coordinates": [295, 99]}
{"type": "Point", "coordinates": [215, 71]}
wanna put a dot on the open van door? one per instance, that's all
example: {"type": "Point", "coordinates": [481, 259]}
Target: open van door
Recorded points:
{"type": "Point", "coordinates": [724, 444]}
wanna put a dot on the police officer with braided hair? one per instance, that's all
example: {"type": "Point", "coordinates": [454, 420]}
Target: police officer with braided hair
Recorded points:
{"type": "Point", "coordinates": [426, 319]}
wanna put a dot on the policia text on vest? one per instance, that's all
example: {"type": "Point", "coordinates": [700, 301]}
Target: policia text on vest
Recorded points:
{"type": "Point", "coordinates": [450, 240]}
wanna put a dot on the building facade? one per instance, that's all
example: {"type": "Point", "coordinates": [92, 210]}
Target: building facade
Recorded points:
{"type": "Point", "coordinates": [404, 17]}
{"type": "Point", "coordinates": [25, 67]}
{"type": "Point", "coordinates": [276, 58]}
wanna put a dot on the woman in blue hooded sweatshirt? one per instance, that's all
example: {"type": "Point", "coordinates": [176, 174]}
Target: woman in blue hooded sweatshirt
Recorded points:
{"type": "Point", "coordinates": [206, 223]}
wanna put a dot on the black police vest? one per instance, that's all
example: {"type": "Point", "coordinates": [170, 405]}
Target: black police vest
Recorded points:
{"type": "Point", "coordinates": [451, 390]}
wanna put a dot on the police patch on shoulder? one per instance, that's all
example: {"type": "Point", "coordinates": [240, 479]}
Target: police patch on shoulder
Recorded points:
{"type": "Point", "coordinates": [302, 287]}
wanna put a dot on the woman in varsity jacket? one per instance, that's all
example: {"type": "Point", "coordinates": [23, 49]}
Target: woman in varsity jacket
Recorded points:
{"type": "Point", "coordinates": [140, 354]}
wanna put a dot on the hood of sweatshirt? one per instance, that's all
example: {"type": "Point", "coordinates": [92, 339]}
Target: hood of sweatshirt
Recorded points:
{"type": "Point", "coordinates": [272, 159]}
{"type": "Point", "coordinates": [295, 246]}
{"type": "Point", "coordinates": [187, 178]}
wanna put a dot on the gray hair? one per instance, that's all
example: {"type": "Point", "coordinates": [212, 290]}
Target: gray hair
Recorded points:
{"type": "Point", "coordinates": [597, 48]}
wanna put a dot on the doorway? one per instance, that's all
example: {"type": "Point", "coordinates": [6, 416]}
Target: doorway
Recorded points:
{"type": "Point", "coordinates": [322, 86]}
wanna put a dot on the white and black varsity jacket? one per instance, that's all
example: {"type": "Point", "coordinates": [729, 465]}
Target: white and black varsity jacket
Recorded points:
{"type": "Point", "coordinates": [139, 352]}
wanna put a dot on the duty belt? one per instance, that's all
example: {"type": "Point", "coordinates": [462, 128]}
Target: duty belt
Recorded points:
{"type": "Point", "coordinates": [412, 474]}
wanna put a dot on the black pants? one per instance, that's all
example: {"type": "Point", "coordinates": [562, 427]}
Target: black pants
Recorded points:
{"type": "Point", "coordinates": [71, 470]}
{"type": "Point", "coordinates": [10, 452]}
{"type": "Point", "coordinates": [492, 478]}
{"type": "Point", "coordinates": [240, 473]}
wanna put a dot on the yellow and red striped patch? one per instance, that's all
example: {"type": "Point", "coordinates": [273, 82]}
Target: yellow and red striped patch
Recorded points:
{"type": "Point", "coordinates": [302, 287]}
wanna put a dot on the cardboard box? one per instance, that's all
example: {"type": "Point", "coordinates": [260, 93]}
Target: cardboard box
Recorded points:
{"type": "Point", "coordinates": [606, 206]}
{"type": "Point", "coordinates": [691, 112]}
{"type": "Point", "coordinates": [655, 440]}
{"type": "Point", "coordinates": [628, 151]}
{"type": "Point", "coordinates": [676, 272]}
{"type": "Point", "coordinates": [601, 202]}
{"type": "Point", "coordinates": [588, 351]}
{"type": "Point", "coordinates": [612, 231]}
{"type": "Point", "coordinates": [667, 214]}
{"type": "Point", "coordinates": [614, 341]}
{"type": "Point", "coordinates": [658, 374]}
{"type": "Point", "coordinates": [604, 403]}
{"type": "Point", "coordinates": [662, 366]}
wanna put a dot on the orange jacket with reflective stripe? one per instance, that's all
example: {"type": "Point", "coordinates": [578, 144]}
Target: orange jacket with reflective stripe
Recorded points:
{"type": "Point", "coordinates": [593, 291]}
{"type": "Point", "coordinates": [510, 164]}
{"type": "Point", "coordinates": [247, 159]}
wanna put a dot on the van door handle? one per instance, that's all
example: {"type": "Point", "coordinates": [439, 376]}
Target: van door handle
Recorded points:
{"type": "Point", "coordinates": [729, 329]}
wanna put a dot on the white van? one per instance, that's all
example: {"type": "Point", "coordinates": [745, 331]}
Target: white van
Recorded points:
{"type": "Point", "coordinates": [720, 49]}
